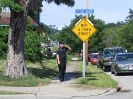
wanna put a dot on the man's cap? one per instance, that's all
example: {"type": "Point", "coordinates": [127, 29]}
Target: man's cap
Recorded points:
{"type": "Point", "coordinates": [61, 42]}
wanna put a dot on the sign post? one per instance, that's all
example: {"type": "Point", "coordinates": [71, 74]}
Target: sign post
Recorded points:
{"type": "Point", "coordinates": [84, 29]}
{"type": "Point", "coordinates": [84, 65]}
{"type": "Point", "coordinates": [86, 44]}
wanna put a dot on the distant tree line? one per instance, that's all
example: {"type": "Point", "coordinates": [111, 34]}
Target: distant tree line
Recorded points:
{"type": "Point", "coordinates": [107, 35]}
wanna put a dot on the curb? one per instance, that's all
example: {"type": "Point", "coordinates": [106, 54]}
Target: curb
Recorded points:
{"type": "Point", "coordinates": [112, 90]}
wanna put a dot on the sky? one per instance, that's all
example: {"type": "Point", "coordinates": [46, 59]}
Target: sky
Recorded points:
{"type": "Point", "coordinates": [106, 10]}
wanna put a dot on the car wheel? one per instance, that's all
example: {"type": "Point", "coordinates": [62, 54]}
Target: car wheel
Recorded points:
{"type": "Point", "coordinates": [112, 72]}
{"type": "Point", "coordinates": [97, 65]}
{"type": "Point", "coordinates": [104, 69]}
{"type": "Point", "coordinates": [116, 74]}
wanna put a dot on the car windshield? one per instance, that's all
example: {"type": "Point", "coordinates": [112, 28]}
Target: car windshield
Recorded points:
{"type": "Point", "coordinates": [124, 57]}
{"type": "Point", "coordinates": [95, 56]}
{"type": "Point", "coordinates": [113, 50]}
{"type": "Point", "coordinates": [92, 52]}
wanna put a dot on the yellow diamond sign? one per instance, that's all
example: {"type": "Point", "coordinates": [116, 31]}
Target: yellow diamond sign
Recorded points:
{"type": "Point", "coordinates": [84, 29]}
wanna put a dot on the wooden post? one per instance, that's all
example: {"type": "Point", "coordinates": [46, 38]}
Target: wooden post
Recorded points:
{"type": "Point", "coordinates": [86, 44]}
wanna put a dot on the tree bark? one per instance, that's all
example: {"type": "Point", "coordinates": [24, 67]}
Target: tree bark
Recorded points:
{"type": "Point", "coordinates": [15, 65]}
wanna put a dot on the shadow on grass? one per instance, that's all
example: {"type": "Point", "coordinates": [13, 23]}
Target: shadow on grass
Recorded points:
{"type": "Point", "coordinates": [45, 72]}
{"type": "Point", "coordinates": [89, 75]}
{"type": "Point", "coordinates": [48, 58]}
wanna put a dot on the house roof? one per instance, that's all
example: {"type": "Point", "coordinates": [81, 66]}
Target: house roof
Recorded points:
{"type": "Point", "coordinates": [5, 21]}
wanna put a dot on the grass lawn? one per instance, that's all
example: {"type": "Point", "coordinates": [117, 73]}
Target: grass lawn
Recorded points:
{"type": "Point", "coordinates": [39, 73]}
{"type": "Point", "coordinates": [95, 77]}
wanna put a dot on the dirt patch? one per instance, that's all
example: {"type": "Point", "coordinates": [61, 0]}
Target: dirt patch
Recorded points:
{"type": "Point", "coordinates": [125, 91]}
{"type": "Point", "coordinates": [42, 84]}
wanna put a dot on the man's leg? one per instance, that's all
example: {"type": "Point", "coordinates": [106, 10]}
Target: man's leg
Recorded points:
{"type": "Point", "coordinates": [62, 72]}
{"type": "Point", "coordinates": [59, 66]}
{"type": "Point", "coordinates": [64, 69]}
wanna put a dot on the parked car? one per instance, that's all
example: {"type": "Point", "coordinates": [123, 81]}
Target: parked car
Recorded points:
{"type": "Point", "coordinates": [54, 54]}
{"type": "Point", "coordinates": [107, 55]}
{"type": "Point", "coordinates": [122, 63]}
{"type": "Point", "coordinates": [98, 63]}
{"type": "Point", "coordinates": [91, 52]}
{"type": "Point", "coordinates": [94, 59]}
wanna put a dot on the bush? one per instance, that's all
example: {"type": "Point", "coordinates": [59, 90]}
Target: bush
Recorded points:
{"type": "Point", "coordinates": [32, 46]}
{"type": "Point", "coordinates": [3, 42]}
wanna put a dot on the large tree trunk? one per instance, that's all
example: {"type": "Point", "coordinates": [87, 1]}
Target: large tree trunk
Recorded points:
{"type": "Point", "coordinates": [15, 65]}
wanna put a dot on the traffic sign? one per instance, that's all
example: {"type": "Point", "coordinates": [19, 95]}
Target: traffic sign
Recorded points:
{"type": "Point", "coordinates": [84, 29]}
{"type": "Point", "coordinates": [90, 11]}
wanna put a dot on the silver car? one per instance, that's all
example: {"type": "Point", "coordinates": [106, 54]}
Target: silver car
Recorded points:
{"type": "Point", "coordinates": [122, 63]}
{"type": "Point", "coordinates": [107, 55]}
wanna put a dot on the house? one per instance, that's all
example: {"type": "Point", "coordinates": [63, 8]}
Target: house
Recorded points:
{"type": "Point", "coordinates": [5, 21]}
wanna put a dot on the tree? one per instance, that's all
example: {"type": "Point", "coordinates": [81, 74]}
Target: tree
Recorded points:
{"type": "Point", "coordinates": [96, 40]}
{"type": "Point", "coordinates": [130, 17]}
{"type": "Point", "coordinates": [15, 65]}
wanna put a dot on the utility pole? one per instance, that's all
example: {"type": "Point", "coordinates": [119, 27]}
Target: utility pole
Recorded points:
{"type": "Point", "coordinates": [0, 13]}
{"type": "Point", "coordinates": [86, 44]}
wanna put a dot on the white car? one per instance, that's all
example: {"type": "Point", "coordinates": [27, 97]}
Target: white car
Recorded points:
{"type": "Point", "coordinates": [54, 54]}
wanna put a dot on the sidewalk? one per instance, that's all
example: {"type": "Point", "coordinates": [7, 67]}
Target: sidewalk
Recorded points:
{"type": "Point", "coordinates": [55, 89]}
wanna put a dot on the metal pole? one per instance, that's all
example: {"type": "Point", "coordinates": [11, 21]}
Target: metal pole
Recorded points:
{"type": "Point", "coordinates": [83, 72]}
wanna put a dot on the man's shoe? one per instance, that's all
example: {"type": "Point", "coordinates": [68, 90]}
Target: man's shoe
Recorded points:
{"type": "Point", "coordinates": [61, 80]}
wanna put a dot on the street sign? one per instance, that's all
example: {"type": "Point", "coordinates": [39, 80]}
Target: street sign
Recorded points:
{"type": "Point", "coordinates": [84, 29]}
{"type": "Point", "coordinates": [90, 11]}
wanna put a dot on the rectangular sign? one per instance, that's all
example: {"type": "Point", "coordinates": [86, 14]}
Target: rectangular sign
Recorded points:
{"type": "Point", "coordinates": [90, 11]}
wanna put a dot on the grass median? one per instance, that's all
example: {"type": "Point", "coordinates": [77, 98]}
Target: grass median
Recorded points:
{"type": "Point", "coordinates": [95, 77]}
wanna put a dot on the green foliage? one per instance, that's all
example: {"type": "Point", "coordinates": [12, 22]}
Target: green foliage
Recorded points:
{"type": "Point", "coordinates": [96, 40]}
{"type": "Point", "coordinates": [32, 47]}
{"type": "Point", "coordinates": [32, 13]}
{"type": "Point", "coordinates": [65, 2]}
{"type": "Point", "coordinates": [12, 4]}
{"type": "Point", "coordinates": [3, 42]}
{"type": "Point", "coordinates": [126, 36]}
{"type": "Point", "coordinates": [130, 17]}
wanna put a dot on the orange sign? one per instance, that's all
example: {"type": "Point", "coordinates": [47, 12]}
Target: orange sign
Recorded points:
{"type": "Point", "coordinates": [84, 29]}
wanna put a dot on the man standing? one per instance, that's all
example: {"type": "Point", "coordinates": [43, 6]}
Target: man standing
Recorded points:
{"type": "Point", "coordinates": [61, 59]}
